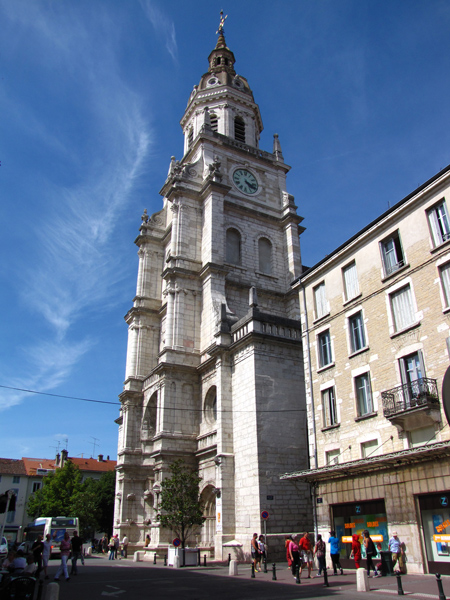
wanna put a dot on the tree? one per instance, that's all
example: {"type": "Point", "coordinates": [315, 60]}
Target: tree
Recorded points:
{"type": "Point", "coordinates": [179, 506]}
{"type": "Point", "coordinates": [64, 493]}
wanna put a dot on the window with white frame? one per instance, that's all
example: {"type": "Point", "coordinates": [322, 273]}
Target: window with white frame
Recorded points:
{"type": "Point", "coordinates": [369, 448]}
{"type": "Point", "coordinates": [356, 331]}
{"type": "Point", "coordinates": [439, 223]}
{"type": "Point", "coordinates": [351, 285]}
{"type": "Point", "coordinates": [330, 417]}
{"type": "Point", "coordinates": [402, 308]}
{"type": "Point", "coordinates": [363, 395]}
{"type": "Point", "coordinates": [444, 272]}
{"type": "Point", "coordinates": [324, 345]}
{"type": "Point", "coordinates": [332, 457]}
{"type": "Point", "coordinates": [320, 300]}
{"type": "Point", "coordinates": [392, 253]}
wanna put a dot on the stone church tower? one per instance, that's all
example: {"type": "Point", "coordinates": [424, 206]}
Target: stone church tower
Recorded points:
{"type": "Point", "coordinates": [214, 370]}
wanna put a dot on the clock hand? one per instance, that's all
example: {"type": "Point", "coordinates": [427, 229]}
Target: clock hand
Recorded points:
{"type": "Point", "coordinates": [250, 185]}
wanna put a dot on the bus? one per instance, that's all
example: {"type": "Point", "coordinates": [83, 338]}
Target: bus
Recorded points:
{"type": "Point", "coordinates": [55, 526]}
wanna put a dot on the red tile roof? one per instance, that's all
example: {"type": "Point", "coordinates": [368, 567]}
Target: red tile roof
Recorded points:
{"type": "Point", "coordinates": [11, 466]}
{"type": "Point", "coordinates": [92, 464]}
{"type": "Point", "coordinates": [31, 464]}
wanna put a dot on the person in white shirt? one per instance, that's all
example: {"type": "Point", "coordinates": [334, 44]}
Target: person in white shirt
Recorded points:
{"type": "Point", "coordinates": [46, 553]}
{"type": "Point", "coordinates": [125, 546]}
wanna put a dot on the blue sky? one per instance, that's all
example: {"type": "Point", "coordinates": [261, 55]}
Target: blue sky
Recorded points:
{"type": "Point", "coordinates": [91, 96]}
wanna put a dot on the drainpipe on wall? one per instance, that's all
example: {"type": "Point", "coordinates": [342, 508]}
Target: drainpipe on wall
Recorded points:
{"type": "Point", "coordinates": [312, 406]}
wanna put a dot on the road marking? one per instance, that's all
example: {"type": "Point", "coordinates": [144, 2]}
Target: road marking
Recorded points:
{"type": "Point", "coordinates": [113, 593]}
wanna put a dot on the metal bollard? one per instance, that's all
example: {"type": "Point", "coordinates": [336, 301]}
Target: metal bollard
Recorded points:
{"type": "Point", "coordinates": [440, 588]}
{"type": "Point", "coordinates": [274, 572]}
{"type": "Point", "coordinates": [265, 565]}
{"type": "Point", "coordinates": [253, 571]}
{"type": "Point", "coordinates": [154, 559]}
{"type": "Point", "coordinates": [204, 560]}
{"type": "Point", "coordinates": [229, 559]}
{"type": "Point", "coordinates": [325, 577]}
{"type": "Point", "coordinates": [400, 591]}
{"type": "Point", "coordinates": [297, 574]}
{"type": "Point", "coordinates": [165, 560]}
{"type": "Point", "coordinates": [199, 559]}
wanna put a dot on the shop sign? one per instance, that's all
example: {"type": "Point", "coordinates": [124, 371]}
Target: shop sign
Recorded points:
{"type": "Point", "coordinates": [358, 509]}
{"type": "Point", "coordinates": [347, 539]}
{"type": "Point", "coordinates": [441, 538]}
{"type": "Point", "coordinates": [444, 525]}
{"type": "Point", "coordinates": [350, 525]}
{"type": "Point", "coordinates": [444, 501]}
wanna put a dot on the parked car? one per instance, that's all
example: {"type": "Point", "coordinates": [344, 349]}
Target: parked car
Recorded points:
{"type": "Point", "coordinates": [3, 548]}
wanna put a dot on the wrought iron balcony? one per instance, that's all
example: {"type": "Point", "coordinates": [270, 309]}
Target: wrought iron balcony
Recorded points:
{"type": "Point", "coordinates": [404, 398]}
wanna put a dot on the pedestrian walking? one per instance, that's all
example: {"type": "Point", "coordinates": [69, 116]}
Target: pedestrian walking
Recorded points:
{"type": "Point", "coordinates": [77, 545]}
{"type": "Point", "coordinates": [334, 552]}
{"type": "Point", "coordinates": [396, 549]}
{"type": "Point", "coordinates": [46, 553]}
{"type": "Point", "coordinates": [37, 549]}
{"type": "Point", "coordinates": [371, 552]}
{"type": "Point", "coordinates": [287, 543]}
{"type": "Point", "coordinates": [294, 553]}
{"type": "Point", "coordinates": [320, 550]}
{"type": "Point", "coordinates": [66, 547]}
{"type": "Point", "coordinates": [262, 550]}
{"type": "Point", "coordinates": [112, 548]}
{"type": "Point", "coordinates": [356, 550]}
{"type": "Point", "coordinates": [255, 551]}
{"type": "Point", "coordinates": [306, 553]}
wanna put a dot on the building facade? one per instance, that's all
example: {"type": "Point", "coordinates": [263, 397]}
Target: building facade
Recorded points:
{"type": "Point", "coordinates": [376, 317]}
{"type": "Point", "coordinates": [214, 371]}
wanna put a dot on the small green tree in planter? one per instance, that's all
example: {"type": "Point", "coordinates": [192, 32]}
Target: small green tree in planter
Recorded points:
{"type": "Point", "coordinates": [180, 508]}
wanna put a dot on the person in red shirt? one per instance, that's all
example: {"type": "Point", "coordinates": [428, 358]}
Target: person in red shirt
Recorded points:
{"type": "Point", "coordinates": [356, 550]}
{"type": "Point", "coordinates": [306, 553]}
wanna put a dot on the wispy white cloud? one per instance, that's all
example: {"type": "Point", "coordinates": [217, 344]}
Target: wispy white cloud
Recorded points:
{"type": "Point", "coordinates": [163, 26]}
{"type": "Point", "coordinates": [73, 269]}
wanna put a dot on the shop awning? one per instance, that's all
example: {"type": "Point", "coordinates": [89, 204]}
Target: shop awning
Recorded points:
{"type": "Point", "coordinates": [373, 464]}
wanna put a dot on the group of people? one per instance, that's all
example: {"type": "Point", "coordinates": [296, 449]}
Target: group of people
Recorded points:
{"type": "Point", "coordinates": [300, 553]}
{"type": "Point", "coordinates": [70, 548]}
{"type": "Point", "coordinates": [112, 546]}
{"type": "Point", "coordinates": [372, 551]}
{"type": "Point", "coordinates": [259, 550]}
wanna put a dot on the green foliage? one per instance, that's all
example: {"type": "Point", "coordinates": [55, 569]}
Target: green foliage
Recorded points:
{"type": "Point", "coordinates": [64, 494]}
{"type": "Point", "coordinates": [179, 507]}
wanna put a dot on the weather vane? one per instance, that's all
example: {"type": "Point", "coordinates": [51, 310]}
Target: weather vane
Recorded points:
{"type": "Point", "coordinates": [222, 22]}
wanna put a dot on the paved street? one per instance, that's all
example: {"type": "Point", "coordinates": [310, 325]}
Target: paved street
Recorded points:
{"type": "Point", "coordinates": [101, 579]}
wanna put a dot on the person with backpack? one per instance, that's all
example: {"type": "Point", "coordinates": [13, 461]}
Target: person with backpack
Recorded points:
{"type": "Point", "coordinates": [320, 550]}
{"type": "Point", "coordinates": [371, 552]}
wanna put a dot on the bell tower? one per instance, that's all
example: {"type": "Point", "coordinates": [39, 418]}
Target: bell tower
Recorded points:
{"type": "Point", "coordinates": [214, 363]}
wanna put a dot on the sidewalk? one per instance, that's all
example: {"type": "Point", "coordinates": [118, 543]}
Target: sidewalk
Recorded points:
{"type": "Point", "coordinates": [417, 585]}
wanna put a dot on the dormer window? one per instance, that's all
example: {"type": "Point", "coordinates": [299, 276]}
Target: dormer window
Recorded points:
{"type": "Point", "coordinates": [239, 129]}
{"type": "Point", "coordinates": [214, 121]}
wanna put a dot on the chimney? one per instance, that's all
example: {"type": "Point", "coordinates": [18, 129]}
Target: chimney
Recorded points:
{"type": "Point", "coordinates": [100, 458]}
{"type": "Point", "coordinates": [58, 457]}
{"type": "Point", "coordinates": [107, 458]}
{"type": "Point", "coordinates": [64, 454]}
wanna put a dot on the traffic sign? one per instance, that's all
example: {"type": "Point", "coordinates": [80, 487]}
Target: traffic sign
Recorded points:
{"type": "Point", "coordinates": [176, 542]}
{"type": "Point", "coordinates": [264, 515]}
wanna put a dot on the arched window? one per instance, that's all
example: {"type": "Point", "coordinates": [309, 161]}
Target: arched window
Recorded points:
{"type": "Point", "coordinates": [233, 250]}
{"type": "Point", "coordinates": [214, 121]}
{"type": "Point", "coordinates": [190, 137]}
{"type": "Point", "coordinates": [265, 255]}
{"type": "Point", "coordinates": [210, 407]}
{"type": "Point", "coordinates": [239, 129]}
{"type": "Point", "coordinates": [149, 420]}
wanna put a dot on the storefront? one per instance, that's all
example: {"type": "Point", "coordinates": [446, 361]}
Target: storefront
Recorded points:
{"type": "Point", "coordinates": [435, 517]}
{"type": "Point", "coordinates": [355, 517]}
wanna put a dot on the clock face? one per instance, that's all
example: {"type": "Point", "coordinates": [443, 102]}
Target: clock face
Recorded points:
{"type": "Point", "coordinates": [245, 181]}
